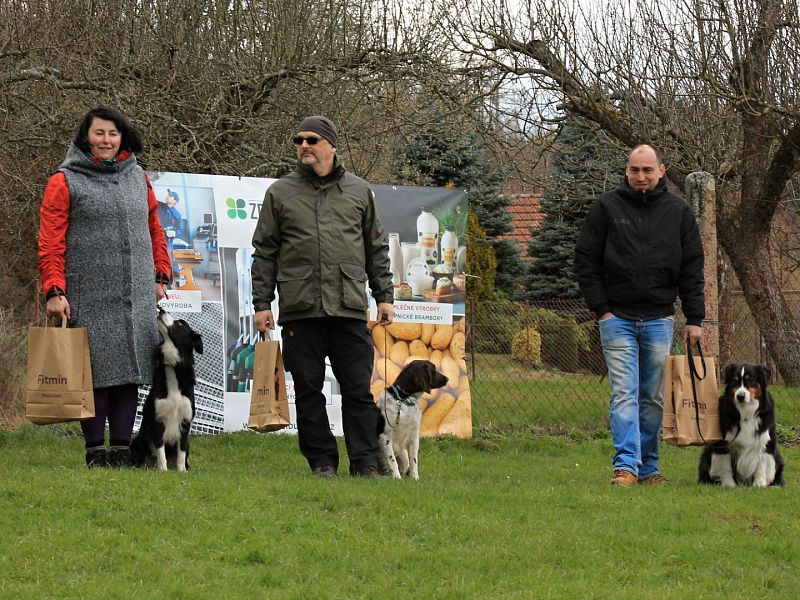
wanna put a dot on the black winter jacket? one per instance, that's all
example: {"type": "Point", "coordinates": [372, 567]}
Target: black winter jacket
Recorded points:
{"type": "Point", "coordinates": [637, 251]}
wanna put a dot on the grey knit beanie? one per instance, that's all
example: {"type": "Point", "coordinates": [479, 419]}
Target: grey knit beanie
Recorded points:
{"type": "Point", "coordinates": [321, 125]}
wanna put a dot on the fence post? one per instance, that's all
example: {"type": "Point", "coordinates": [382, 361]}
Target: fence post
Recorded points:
{"type": "Point", "coordinates": [702, 197]}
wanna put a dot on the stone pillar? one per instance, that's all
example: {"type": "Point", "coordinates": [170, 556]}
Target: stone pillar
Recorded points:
{"type": "Point", "coordinates": [702, 197]}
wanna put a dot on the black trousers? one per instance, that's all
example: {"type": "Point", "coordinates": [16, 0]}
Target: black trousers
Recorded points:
{"type": "Point", "coordinates": [348, 345]}
{"type": "Point", "coordinates": [118, 405]}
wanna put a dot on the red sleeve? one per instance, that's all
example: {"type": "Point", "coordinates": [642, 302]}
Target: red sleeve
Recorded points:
{"type": "Point", "coordinates": [160, 252]}
{"type": "Point", "coordinates": [53, 223]}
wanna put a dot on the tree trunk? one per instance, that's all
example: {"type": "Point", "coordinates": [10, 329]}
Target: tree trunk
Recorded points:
{"type": "Point", "coordinates": [725, 306]}
{"type": "Point", "coordinates": [701, 196]}
{"type": "Point", "coordinates": [750, 259]}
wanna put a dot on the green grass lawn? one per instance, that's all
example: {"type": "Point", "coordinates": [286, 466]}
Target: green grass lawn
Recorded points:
{"type": "Point", "coordinates": [495, 517]}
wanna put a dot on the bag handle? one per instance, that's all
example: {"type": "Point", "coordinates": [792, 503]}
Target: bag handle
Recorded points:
{"type": "Point", "coordinates": [693, 374]}
{"type": "Point", "coordinates": [692, 368]}
{"type": "Point", "coordinates": [63, 323]}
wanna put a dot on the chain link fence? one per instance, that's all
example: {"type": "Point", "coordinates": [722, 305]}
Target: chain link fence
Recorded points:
{"type": "Point", "coordinates": [541, 365]}
{"type": "Point", "coordinates": [530, 365]}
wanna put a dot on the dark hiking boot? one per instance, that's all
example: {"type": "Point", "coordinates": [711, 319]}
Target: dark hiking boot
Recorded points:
{"type": "Point", "coordinates": [119, 457]}
{"type": "Point", "coordinates": [324, 472]}
{"type": "Point", "coordinates": [368, 472]}
{"type": "Point", "coordinates": [96, 457]}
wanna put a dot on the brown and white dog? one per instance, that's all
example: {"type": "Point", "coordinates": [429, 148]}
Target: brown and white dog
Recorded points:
{"type": "Point", "coordinates": [398, 425]}
{"type": "Point", "coordinates": [748, 453]}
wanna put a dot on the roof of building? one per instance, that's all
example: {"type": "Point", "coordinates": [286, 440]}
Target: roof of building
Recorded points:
{"type": "Point", "coordinates": [525, 214]}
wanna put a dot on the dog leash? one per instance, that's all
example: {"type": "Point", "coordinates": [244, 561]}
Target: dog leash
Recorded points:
{"type": "Point", "coordinates": [693, 374]}
{"type": "Point", "coordinates": [385, 370]}
{"type": "Point", "coordinates": [396, 392]}
{"type": "Point", "coordinates": [401, 398]}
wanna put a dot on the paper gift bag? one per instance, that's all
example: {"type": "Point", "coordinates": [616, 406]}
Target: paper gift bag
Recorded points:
{"type": "Point", "coordinates": [691, 401]}
{"type": "Point", "coordinates": [59, 386]}
{"type": "Point", "coordinates": [269, 406]}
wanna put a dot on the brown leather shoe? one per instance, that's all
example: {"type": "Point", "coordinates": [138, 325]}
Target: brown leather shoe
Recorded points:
{"type": "Point", "coordinates": [624, 478]}
{"type": "Point", "coordinates": [324, 472]}
{"type": "Point", "coordinates": [654, 479]}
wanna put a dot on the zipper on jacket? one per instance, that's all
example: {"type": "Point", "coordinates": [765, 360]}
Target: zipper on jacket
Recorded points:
{"type": "Point", "coordinates": [644, 225]}
{"type": "Point", "coordinates": [319, 247]}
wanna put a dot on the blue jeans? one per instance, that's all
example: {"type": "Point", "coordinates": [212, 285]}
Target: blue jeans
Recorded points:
{"type": "Point", "coordinates": [635, 353]}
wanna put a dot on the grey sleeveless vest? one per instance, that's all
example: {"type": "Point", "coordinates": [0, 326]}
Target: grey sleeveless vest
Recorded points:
{"type": "Point", "coordinates": [109, 269]}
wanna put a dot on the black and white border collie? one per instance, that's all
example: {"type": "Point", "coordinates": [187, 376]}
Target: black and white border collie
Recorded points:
{"type": "Point", "coordinates": [748, 453]}
{"type": "Point", "coordinates": [163, 438]}
{"type": "Point", "coordinates": [398, 425]}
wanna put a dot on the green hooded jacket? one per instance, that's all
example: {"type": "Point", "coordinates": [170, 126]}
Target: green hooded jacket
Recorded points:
{"type": "Point", "coordinates": [319, 240]}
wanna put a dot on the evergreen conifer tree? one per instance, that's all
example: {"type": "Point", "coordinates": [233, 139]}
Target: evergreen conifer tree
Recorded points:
{"type": "Point", "coordinates": [445, 154]}
{"type": "Point", "coordinates": [584, 165]}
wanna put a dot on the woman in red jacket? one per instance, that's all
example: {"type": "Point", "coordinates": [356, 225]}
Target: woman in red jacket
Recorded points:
{"type": "Point", "coordinates": [104, 265]}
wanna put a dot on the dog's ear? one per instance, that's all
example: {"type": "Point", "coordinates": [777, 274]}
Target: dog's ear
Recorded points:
{"type": "Point", "coordinates": [764, 376]}
{"type": "Point", "coordinates": [197, 342]}
{"type": "Point", "coordinates": [729, 371]}
{"type": "Point", "coordinates": [423, 374]}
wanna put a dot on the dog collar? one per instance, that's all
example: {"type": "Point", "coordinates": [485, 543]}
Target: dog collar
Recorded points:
{"type": "Point", "coordinates": [400, 395]}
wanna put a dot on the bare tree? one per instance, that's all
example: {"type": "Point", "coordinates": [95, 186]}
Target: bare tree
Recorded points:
{"type": "Point", "coordinates": [710, 81]}
{"type": "Point", "coordinates": [216, 87]}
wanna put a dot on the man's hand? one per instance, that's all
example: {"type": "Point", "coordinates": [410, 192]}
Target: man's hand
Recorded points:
{"type": "Point", "coordinates": [58, 306]}
{"type": "Point", "coordinates": [264, 321]}
{"type": "Point", "coordinates": [605, 316]}
{"type": "Point", "coordinates": [385, 313]}
{"type": "Point", "coordinates": [692, 334]}
{"type": "Point", "coordinates": [161, 292]}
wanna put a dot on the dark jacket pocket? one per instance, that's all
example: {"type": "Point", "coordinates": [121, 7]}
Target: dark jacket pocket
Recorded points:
{"type": "Point", "coordinates": [354, 286]}
{"type": "Point", "coordinates": [294, 291]}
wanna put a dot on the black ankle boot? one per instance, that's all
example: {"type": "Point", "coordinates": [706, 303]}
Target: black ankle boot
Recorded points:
{"type": "Point", "coordinates": [96, 457]}
{"type": "Point", "coordinates": [119, 457]}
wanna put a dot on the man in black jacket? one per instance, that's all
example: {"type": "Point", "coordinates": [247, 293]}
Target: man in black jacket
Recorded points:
{"type": "Point", "coordinates": [638, 249]}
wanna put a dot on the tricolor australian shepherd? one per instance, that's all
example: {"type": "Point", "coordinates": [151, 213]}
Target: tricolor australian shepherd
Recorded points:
{"type": "Point", "coordinates": [398, 425]}
{"type": "Point", "coordinates": [748, 453]}
{"type": "Point", "coordinates": [163, 438]}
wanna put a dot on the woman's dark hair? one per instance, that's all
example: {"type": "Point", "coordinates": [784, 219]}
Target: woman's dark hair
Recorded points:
{"type": "Point", "coordinates": [131, 138]}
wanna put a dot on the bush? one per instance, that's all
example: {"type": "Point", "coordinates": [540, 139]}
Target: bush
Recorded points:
{"type": "Point", "coordinates": [563, 340]}
{"type": "Point", "coordinates": [481, 262]}
{"type": "Point", "coordinates": [495, 325]}
{"type": "Point", "coordinates": [527, 346]}
{"type": "Point", "coordinates": [13, 349]}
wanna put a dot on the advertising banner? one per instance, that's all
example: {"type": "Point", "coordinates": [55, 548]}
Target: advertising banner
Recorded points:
{"type": "Point", "coordinates": [209, 222]}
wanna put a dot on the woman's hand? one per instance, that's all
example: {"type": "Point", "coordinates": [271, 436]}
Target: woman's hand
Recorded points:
{"type": "Point", "coordinates": [58, 306]}
{"type": "Point", "coordinates": [161, 292]}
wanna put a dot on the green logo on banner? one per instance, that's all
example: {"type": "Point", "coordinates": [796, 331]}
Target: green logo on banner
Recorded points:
{"type": "Point", "coordinates": [235, 208]}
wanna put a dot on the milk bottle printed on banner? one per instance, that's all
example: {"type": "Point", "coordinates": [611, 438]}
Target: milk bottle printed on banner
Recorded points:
{"type": "Point", "coordinates": [427, 236]}
{"type": "Point", "coordinates": [449, 247]}
{"type": "Point", "coordinates": [410, 252]}
{"type": "Point", "coordinates": [396, 258]}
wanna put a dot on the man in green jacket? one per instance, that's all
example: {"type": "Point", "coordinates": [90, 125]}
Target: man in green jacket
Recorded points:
{"type": "Point", "coordinates": [319, 240]}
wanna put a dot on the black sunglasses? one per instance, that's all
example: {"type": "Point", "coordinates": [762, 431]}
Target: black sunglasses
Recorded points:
{"type": "Point", "coordinates": [298, 140]}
